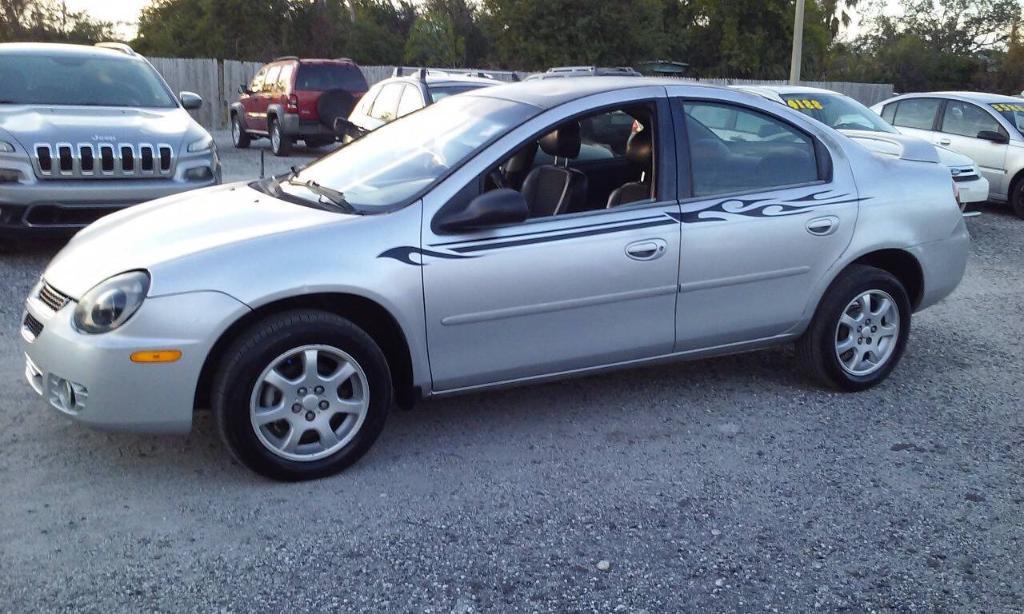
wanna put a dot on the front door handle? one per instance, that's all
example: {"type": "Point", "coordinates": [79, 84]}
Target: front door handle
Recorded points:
{"type": "Point", "coordinates": [944, 141]}
{"type": "Point", "coordinates": [823, 226]}
{"type": "Point", "coordinates": [648, 249]}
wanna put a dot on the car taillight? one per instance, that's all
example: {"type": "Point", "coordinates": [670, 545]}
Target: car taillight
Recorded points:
{"type": "Point", "coordinates": [293, 104]}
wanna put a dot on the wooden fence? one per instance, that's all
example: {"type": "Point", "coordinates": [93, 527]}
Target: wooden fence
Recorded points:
{"type": "Point", "coordinates": [217, 81]}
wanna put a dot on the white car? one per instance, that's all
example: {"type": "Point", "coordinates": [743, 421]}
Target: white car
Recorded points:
{"type": "Point", "coordinates": [985, 127]}
{"type": "Point", "coordinates": [865, 126]}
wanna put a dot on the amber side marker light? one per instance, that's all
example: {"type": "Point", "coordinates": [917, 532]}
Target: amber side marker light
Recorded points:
{"type": "Point", "coordinates": [156, 356]}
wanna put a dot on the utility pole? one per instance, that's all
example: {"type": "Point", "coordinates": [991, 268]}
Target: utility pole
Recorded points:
{"type": "Point", "coordinates": [798, 44]}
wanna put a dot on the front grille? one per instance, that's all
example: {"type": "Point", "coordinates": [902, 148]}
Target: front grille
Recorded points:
{"type": "Point", "coordinates": [52, 297]}
{"type": "Point", "coordinates": [33, 326]}
{"type": "Point", "coordinates": [120, 161]}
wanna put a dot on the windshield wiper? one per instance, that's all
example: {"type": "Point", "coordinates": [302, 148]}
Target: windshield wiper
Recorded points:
{"type": "Point", "coordinates": [334, 197]}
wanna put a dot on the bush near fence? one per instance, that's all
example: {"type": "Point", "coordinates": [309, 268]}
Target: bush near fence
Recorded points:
{"type": "Point", "coordinates": [217, 81]}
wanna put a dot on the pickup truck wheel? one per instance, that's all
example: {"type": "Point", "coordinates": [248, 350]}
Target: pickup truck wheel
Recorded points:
{"type": "Point", "coordinates": [859, 331]}
{"type": "Point", "coordinates": [238, 134]}
{"type": "Point", "coordinates": [302, 395]}
{"type": "Point", "coordinates": [280, 143]}
{"type": "Point", "coordinates": [1017, 198]}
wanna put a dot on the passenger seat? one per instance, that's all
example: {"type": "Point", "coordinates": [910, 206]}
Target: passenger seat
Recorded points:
{"type": "Point", "coordinates": [638, 151]}
{"type": "Point", "coordinates": [552, 189]}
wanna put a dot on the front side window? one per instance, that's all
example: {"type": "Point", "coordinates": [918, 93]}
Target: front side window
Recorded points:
{"type": "Point", "coordinates": [734, 149]}
{"type": "Point", "coordinates": [916, 113]}
{"type": "Point", "coordinates": [966, 119]}
{"type": "Point", "coordinates": [81, 80]}
{"type": "Point", "coordinates": [835, 111]}
{"type": "Point", "coordinates": [257, 81]}
{"type": "Point", "coordinates": [394, 163]}
{"type": "Point", "coordinates": [1011, 112]}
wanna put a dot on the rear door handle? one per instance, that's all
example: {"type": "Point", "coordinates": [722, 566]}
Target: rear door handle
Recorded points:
{"type": "Point", "coordinates": [648, 249]}
{"type": "Point", "coordinates": [823, 226]}
{"type": "Point", "coordinates": [944, 141]}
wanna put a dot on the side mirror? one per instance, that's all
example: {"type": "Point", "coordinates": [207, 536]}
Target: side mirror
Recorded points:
{"type": "Point", "coordinates": [490, 209]}
{"type": "Point", "coordinates": [190, 100]}
{"type": "Point", "coordinates": [244, 90]}
{"type": "Point", "coordinates": [994, 136]}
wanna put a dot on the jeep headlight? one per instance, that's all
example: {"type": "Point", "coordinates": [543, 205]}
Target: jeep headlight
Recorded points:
{"type": "Point", "coordinates": [203, 144]}
{"type": "Point", "coordinates": [6, 147]}
{"type": "Point", "coordinates": [111, 303]}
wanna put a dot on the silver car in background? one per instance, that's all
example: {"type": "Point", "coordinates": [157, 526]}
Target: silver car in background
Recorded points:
{"type": "Point", "coordinates": [985, 127]}
{"type": "Point", "coordinates": [865, 126]}
{"type": "Point", "coordinates": [85, 131]}
{"type": "Point", "coordinates": [442, 253]}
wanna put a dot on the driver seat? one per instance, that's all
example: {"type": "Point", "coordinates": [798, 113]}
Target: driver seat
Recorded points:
{"type": "Point", "coordinates": [552, 189]}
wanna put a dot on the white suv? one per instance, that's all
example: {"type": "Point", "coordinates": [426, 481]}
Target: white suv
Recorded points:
{"type": "Point", "coordinates": [985, 127]}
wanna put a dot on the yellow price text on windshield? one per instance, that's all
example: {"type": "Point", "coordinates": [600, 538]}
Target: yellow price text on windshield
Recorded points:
{"type": "Point", "coordinates": [1005, 108]}
{"type": "Point", "coordinates": [804, 103]}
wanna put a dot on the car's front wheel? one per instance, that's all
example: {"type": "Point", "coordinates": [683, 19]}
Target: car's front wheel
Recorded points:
{"type": "Point", "coordinates": [302, 395]}
{"type": "Point", "coordinates": [238, 134]}
{"type": "Point", "coordinates": [280, 143]}
{"type": "Point", "coordinates": [859, 331]}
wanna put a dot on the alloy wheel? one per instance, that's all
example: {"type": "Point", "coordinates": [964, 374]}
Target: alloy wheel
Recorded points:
{"type": "Point", "coordinates": [867, 333]}
{"type": "Point", "coordinates": [309, 402]}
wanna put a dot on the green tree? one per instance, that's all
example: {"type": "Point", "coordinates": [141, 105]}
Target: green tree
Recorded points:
{"type": "Point", "coordinates": [433, 41]}
{"type": "Point", "coordinates": [49, 21]}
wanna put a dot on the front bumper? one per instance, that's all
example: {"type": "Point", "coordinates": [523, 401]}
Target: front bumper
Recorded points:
{"type": "Point", "coordinates": [110, 391]}
{"type": "Point", "coordinates": [974, 191]}
{"type": "Point", "coordinates": [33, 206]}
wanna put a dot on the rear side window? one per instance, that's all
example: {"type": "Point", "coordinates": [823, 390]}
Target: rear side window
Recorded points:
{"type": "Point", "coordinates": [284, 80]}
{"type": "Point", "coordinates": [916, 113]}
{"type": "Point", "coordinates": [889, 112]}
{"type": "Point", "coordinates": [411, 101]}
{"type": "Point", "coordinates": [323, 77]}
{"type": "Point", "coordinates": [966, 119]}
{"type": "Point", "coordinates": [385, 107]}
{"type": "Point", "coordinates": [270, 84]}
{"type": "Point", "coordinates": [735, 149]}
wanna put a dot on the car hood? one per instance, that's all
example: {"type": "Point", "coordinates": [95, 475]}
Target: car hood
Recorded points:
{"type": "Point", "coordinates": [32, 124]}
{"type": "Point", "coordinates": [176, 227]}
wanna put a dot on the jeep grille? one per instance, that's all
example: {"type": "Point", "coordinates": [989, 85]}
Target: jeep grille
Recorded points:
{"type": "Point", "coordinates": [103, 161]}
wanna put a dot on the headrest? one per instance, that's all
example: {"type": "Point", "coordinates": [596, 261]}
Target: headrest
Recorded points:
{"type": "Point", "coordinates": [563, 141]}
{"type": "Point", "coordinates": [638, 147]}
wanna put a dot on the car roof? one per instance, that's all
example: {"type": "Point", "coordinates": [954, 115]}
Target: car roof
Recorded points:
{"type": "Point", "coordinates": [65, 50]}
{"type": "Point", "coordinates": [982, 97]}
{"type": "Point", "coordinates": [439, 77]}
{"type": "Point", "coordinates": [790, 89]}
{"type": "Point", "coordinates": [550, 93]}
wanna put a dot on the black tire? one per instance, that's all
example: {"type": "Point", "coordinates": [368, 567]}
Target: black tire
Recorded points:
{"type": "Point", "coordinates": [238, 134]}
{"type": "Point", "coordinates": [1017, 198]}
{"type": "Point", "coordinates": [816, 348]}
{"type": "Point", "coordinates": [255, 350]}
{"type": "Point", "coordinates": [280, 143]}
{"type": "Point", "coordinates": [333, 105]}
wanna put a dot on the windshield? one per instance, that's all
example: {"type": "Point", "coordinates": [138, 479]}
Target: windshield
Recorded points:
{"type": "Point", "coordinates": [1011, 112]}
{"type": "Point", "coordinates": [839, 112]}
{"type": "Point", "coordinates": [394, 163]}
{"type": "Point", "coordinates": [81, 80]}
{"type": "Point", "coordinates": [443, 91]}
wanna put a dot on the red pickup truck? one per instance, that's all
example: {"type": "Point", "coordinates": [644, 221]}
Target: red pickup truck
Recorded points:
{"type": "Point", "coordinates": [293, 99]}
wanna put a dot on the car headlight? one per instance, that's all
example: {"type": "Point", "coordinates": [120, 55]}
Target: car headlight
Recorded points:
{"type": "Point", "coordinates": [203, 144]}
{"type": "Point", "coordinates": [6, 147]}
{"type": "Point", "coordinates": [111, 303]}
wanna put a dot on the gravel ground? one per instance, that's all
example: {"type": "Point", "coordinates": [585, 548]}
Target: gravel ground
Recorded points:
{"type": "Point", "coordinates": [723, 485]}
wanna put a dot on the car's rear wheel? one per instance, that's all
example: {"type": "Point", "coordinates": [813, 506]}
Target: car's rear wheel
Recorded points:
{"type": "Point", "coordinates": [859, 331]}
{"type": "Point", "coordinates": [1017, 198]}
{"type": "Point", "coordinates": [238, 134]}
{"type": "Point", "coordinates": [302, 395]}
{"type": "Point", "coordinates": [280, 143]}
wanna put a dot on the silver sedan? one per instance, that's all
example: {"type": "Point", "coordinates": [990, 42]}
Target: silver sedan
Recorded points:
{"type": "Point", "coordinates": [505, 236]}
